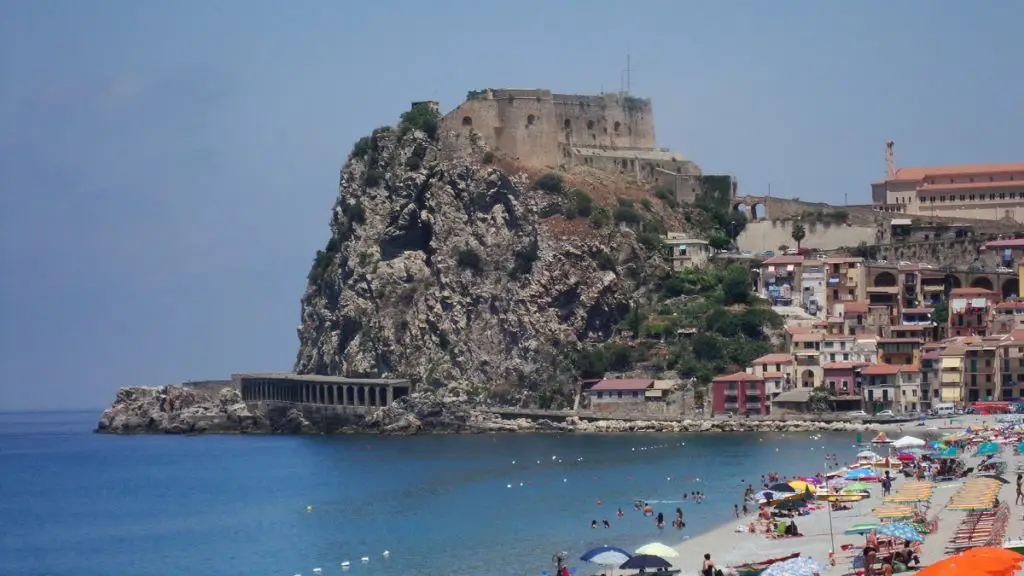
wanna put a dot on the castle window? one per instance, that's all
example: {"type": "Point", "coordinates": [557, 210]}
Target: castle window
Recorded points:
{"type": "Point", "coordinates": [467, 121]}
{"type": "Point", "coordinates": [590, 124]}
{"type": "Point", "coordinates": [605, 128]}
{"type": "Point", "coordinates": [530, 120]}
{"type": "Point", "coordinates": [567, 124]}
{"type": "Point", "coordinates": [991, 196]}
{"type": "Point", "coordinates": [962, 198]}
{"type": "Point", "coordinates": [617, 126]}
{"type": "Point", "coordinates": [971, 197]}
{"type": "Point", "coordinates": [1002, 195]}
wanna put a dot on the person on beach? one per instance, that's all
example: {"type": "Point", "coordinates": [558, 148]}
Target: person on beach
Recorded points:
{"type": "Point", "coordinates": [678, 522]}
{"type": "Point", "coordinates": [745, 509]}
{"type": "Point", "coordinates": [708, 568]}
{"type": "Point", "coordinates": [660, 522]}
{"type": "Point", "coordinates": [1020, 492]}
{"type": "Point", "coordinates": [736, 510]}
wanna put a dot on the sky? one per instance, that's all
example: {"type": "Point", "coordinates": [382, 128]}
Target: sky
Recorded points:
{"type": "Point", "coordinates": [167, 168]}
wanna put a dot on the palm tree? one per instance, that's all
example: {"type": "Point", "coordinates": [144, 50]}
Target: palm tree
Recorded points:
{"type": "Point", "coordinates": [799, 234]}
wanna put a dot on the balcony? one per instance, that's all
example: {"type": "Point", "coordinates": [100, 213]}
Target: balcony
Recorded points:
{"type": "Point", "coordinates": [752, 405]}
{"type": "Point", "coordinates": [731, 406]}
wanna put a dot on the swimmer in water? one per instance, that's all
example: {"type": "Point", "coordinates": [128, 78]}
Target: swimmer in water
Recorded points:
{"type": "Point", "coordinates": [606, 524]}
{"type": "Point", "coordinates": [593, 523]}
{"type": "Point", "coordinates": [619, 513]}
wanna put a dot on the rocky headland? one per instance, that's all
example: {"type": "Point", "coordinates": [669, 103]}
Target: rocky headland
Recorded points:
{"type": "Point", "coordinates": [184, 410]}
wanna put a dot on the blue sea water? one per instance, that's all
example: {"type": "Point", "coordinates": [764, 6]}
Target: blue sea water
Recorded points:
{"type": "Point", "coordinates": [73, 502]}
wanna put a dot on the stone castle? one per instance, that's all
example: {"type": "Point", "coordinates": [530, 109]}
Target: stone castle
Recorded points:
{"type": "Point", "coordinates": [610, 132]}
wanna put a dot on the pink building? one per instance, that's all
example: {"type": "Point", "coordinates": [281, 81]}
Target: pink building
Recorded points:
{"type": "Point", "coordinates": [738, 393]}
{"type": "Point", "coordinates": [840, 378]}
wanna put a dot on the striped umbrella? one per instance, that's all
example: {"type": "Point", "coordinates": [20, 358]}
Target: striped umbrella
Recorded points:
{"type": "Point", "coordinates": [900, 531]}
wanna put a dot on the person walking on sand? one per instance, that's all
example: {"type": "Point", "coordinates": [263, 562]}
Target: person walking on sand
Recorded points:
{"type": "Point", "coordinates": [1020, 491]}
{"type": "Point", "coordinates": [736, 510]}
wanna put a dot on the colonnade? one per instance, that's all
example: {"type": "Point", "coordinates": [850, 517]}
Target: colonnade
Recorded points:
{"type": "Point", "coordinates": [317, 393]}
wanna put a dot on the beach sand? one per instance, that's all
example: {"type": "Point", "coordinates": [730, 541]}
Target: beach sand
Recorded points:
{"type": "Point", "coordinates": [727, 547]}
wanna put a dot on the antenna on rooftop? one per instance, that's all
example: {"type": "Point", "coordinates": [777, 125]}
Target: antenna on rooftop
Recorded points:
{"type": "Point", "coordinates": [626, 78]}
{"type": "Point", "coordinates": [890, 160]}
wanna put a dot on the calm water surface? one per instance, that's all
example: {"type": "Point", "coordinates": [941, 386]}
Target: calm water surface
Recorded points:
{"type": "Point", "coordinates": [72, 502]}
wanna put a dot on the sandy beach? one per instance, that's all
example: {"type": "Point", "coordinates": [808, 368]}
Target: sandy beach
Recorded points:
{"type": "Point", "coordinates": [729, 547]}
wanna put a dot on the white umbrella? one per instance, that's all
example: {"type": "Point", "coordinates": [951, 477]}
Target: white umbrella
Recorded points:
{"type": "Point", "coordinates": [657, 549]}
{"type": "Point", "coordinates": [909, 442]}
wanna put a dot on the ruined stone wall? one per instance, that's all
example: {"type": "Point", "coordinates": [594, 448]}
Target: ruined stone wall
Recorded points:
{"type": "Point", "coordinates": [770, 234]}
{"type": "Point", "coordinates": [605, 121]}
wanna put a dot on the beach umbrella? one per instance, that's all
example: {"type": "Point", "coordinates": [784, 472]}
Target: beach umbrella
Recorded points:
{"type": "Point", "coordinates": [657, 549]}
{"type": "Point", "coordinates": [790, 505]}
{"type": "Point", "coordinates": [811, 480]}
{"type": "Point", "coordinates": [987, 448]}
{"type": "Point", "coordinates": [782, 487]}
{"type": "Point", "coordinates": [857, 487]}
{"type": "Point", "coordinates": [606, 556]}
{"type": "Point", "coordinates": [904, 457]}
{"type": "Point", "coordinates": [860, 474]}
{"type": "Point", "coordinates": [801, 486]}
{"type": "Point", "coordinates": [799, 566]}
{"type": "Point", "coordinates": [862, 528]}
{"type": "Point", "coordinates": [948, 452]}
{"type": "Point", "coordinates": [900, 531]}
{"type": "Point", "coordinates": [646, 562]}
{"type": "Point", "coordinates": [908, 442]}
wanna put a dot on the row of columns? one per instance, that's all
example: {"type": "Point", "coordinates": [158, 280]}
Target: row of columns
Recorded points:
{"type": "Point", "coordinates": [322, 394]}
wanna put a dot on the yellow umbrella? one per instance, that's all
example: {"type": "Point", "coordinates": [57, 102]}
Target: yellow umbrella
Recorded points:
{"type": "Point", "coordinates": [801, 486]}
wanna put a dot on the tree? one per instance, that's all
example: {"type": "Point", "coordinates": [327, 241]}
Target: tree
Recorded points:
{"type": "Point", "coordinates": [941, 311]}
{"type": "Point", "coordinates": [820, 399]}
{"type": "Point", "coordinates": [736, 285]}
{"type": "Point", "coordinates": [799, 233]}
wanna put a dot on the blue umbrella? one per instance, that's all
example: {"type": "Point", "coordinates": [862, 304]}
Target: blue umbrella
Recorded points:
{"type": "Point", "coordinates": [900, 531]}
{"type": "Point", "coordinates": [796, 567]}
{"type": "Point", "coordinates": [606, 556]}
{"type": "Point", "coordinates": [859, 473]}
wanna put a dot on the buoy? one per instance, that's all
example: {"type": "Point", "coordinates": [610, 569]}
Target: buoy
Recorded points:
{"type": "Point", "coordinates": [309, 508]}
{"type": "Point", "coordinates": [365, 559]}
{"type": "Point", "coordinates": [386, 554]}
{"type": "Point", "coordinates": [317, 571]}
{"type": "Point", "coordinates": [345, 565]}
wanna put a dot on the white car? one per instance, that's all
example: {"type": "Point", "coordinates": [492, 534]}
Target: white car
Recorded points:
{"type": "Point", "coordinates": [858, 414]}
{"type": "Point", "coordinates": [885, 414]}
{"type": "Point", "coordinates": [1003, 269]}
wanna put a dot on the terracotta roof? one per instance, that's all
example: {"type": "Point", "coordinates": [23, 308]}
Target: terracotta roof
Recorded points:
{"type": "Point", "coordinates": [1011, 243]}
{"type": "Point", "coordinates": [811, 337]}
{"type": "Point", "coordinates": [798, 330]}
{"type": "Point", "coordinates": [623, 384]}
{"type": "Point", "coordinates": [1018, 305]}
{"type": "Point", "coordinates": [773, 375]}
{"type": "Point", "coordinates": [920, 173]}
{"type": "Point", "coordinates": [899, 340]}
{"type": "Point", "coordinates": [917, 310]}
{"type": "Point", "coordinates": [909, 368]}
{"type": "Point", "coordinates": [931, 355]}
{"type": "Point", "coordinates": [972, 292]}
{"type": "Point", "coordinates": [855, 307]}
{"type": "Point", "coordinates": [955, 186]}
{"type": "Point", "coordinates": [1017, 334]}
{"type": "Point", "coordinates": [739, 377]}
{"type": "Point", "coordinates": [777, 358]}
{"type": "Point", "coordinates": [831, 260]}
{"type": "Point", "coordinates": [839, 337]}
{"type": "Point", "coordinates": [839, 366]}
{"type": "Point", "coordinates": [880, 370]}
{"type": "Point", "coordinates": [794, 259]}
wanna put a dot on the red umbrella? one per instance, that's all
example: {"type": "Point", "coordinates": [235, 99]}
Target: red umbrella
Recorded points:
{"type": "Point", "coordinates": [905, 457]}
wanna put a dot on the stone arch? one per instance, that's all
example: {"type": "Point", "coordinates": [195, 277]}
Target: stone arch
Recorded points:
{"type": "Point", "coordinates": [742, 208]}
{"type": "Point", "coordinates": [884, 280]}
{"type": "Point", "coordinates": [1011, 288]}
{"type": "Point", "coordinates": [759, 211]}
{"type": "Point", "coordinates": [983, 282]}
{"type": "Point", "coordinates": [567, 124]}
{"type": "Point", "coordinates": [951, 281]}
{"type": "Point", "coordinates": [530, 120]}
{"type": "Point", "coordinates": [807, 378]}
{"type": "Point", "coordinates": [590, 124]}
{"type": "Point", "coordinates": [616, 126]}
{"type": "Point", "coordinates": [467, 121]}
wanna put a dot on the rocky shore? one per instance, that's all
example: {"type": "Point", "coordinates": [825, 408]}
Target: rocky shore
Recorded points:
{"type": "Point", "coordinates": [184, 410]}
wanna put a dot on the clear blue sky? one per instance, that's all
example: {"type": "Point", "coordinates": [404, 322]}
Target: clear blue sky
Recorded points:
{"type": "Point", "coordinates": [167, 168]}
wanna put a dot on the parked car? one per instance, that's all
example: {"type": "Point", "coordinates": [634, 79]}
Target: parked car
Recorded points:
{"type": "Point", "coordinates": [885, 414]}
{"type": "Point", "coordinates": [858, 414]}
{"type": "Point", "coordinates": [1003, 269]}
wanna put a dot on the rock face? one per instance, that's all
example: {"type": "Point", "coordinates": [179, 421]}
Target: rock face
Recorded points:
{"type": "Point", "coordinates": [178, 410]}
{"type": "Point", "coordinates": [448, 272]}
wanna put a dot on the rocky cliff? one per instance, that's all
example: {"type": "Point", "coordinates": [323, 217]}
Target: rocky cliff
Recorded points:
{"type": "Point", "coordinates": [461, 275]}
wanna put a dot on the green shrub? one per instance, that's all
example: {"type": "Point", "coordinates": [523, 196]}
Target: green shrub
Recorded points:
{"type": "Point", "coordinates": [372, 178]}
{"type": "Point", "coordinates": [488, 157]}
{"type": "Point", "coordinates": [524, 260]}
{"type": "Point", "coordinates": [550, 182]}
{"type": "Point", "coordinates": [646, 203]}
{"type": "Point", "coordinates": [361, 148]}
{"type": "Point", "coordinates": [356, 213]}
{"type": "Point", "coordinates": [605, 262]}
{"type": "Point", "coordinates": [468, 258]}
{"type": "Point", "coordinates": [668, 196]}
{"type": "Point", "coordinates": [655, 226]}
{"type": "Point", "coordinates": [599, 218]}
{"type": "Point", "coordinates": [650, 241]}
{"type": "Point", "coordinates": [625, 202]}
{"type": "Point", "coordinates": [627, 215]}
{"type": "Point", "coordinates": [580, 204]}
{"type": "Point", "coordinates": [421, 117]}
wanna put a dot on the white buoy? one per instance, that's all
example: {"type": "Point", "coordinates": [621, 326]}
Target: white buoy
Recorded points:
{"type": "Point", "coordinates": [508, 486]}
{"type": "Point", "coordinates": [317, 571]}
{"type": "Point", "coordinates": [386, 553]}
{"type": "Point", "coordinates": [365, 559]}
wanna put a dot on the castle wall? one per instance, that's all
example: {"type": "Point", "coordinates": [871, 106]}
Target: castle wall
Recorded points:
{"type": "Point", "coordinates": [770, 234]}
{"type": "Point", "coordinates": [605, 121]}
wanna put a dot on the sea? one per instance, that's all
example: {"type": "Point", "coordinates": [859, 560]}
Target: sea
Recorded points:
{"type": "Point", "coordinates": [75, 502]}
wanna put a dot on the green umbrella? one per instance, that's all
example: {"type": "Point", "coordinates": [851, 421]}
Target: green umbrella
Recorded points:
{"type": "Point", "coordinates": [857, 487]}
{"type": "Point", "coordinates": [861, 528]}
